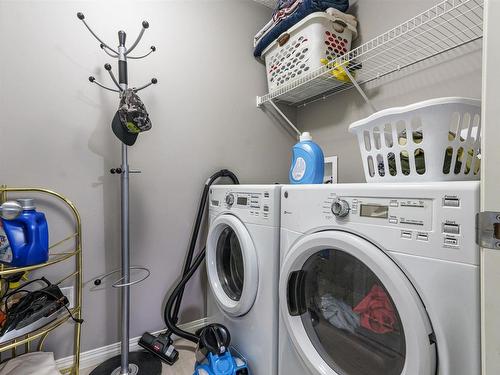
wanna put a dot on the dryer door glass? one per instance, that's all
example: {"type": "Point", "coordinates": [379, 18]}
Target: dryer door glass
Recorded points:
{"type": "Point", "coordinates": [350, 317]}
{"type": "Point", "coordinates": [230, 266]}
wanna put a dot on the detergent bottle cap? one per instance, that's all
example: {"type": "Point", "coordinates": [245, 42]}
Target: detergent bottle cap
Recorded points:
{"type": "Point", "coordinates": [306, 136]}
{"type": "Point", "coordinates": [27, 203]}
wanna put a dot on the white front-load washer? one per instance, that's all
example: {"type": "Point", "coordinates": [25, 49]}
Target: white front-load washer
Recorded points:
{"type": "Point", "coordinates": [243, 270]}
{"type": "Point", "coordinates": [380, 279]}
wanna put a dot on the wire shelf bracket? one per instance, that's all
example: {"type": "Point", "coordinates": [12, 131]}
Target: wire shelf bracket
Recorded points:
{"type": "Point", "coordinates": [444, 27]}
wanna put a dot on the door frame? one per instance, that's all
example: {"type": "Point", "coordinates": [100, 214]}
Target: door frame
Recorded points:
{"type": "Point", "coordinates": [490, 178]}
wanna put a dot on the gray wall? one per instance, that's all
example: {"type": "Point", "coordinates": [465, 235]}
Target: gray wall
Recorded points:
{"type": "Point", "coordinates": [55, 132]}
{"type": "Point", "coordinates": [453, 74]}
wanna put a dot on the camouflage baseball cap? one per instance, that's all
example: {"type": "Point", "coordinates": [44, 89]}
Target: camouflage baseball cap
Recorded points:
{"type": "Point", "coordinates": [131, 118]}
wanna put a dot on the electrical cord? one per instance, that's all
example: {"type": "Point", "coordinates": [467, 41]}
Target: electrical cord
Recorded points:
{"type": "Point", "coordinates": [20, 289]}
{"type": "Point", "coordinates": [76, 320]}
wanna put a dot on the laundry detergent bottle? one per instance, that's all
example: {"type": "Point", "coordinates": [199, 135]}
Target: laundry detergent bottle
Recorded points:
{"type": "Point", "coordinates": [24, 241]}
{"type": "Point", "coordinates": [308, 162]}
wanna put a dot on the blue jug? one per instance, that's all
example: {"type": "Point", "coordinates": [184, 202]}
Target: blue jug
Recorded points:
{"type": "Point", "coordinates": [24, 241]}
{"type": "Point", "coordinates": [308, 162]}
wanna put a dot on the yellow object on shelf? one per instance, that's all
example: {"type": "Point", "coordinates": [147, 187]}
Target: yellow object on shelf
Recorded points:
{"type": "Point", "coordinates": [337, 70]}
{"type": "Point", "coordinates": [17, 283]}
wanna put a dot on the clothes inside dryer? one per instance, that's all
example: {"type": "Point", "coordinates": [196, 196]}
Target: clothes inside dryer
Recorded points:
{"type": "Point", "coordinates": [230, 267]}
{"type": "Point", "coordinates": [350, 317]}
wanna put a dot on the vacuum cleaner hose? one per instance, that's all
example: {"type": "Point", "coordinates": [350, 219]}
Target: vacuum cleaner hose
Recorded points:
{"type": "Point", "coordinates": [180, 286]}
{"type": "Point", "coordinates": [173, 305]}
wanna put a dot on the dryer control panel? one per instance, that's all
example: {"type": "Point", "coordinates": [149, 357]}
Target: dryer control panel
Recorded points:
{"type": "Point", "coordinates": [406, 213]}
{"type": "Point", "coordinates": [434, 220]}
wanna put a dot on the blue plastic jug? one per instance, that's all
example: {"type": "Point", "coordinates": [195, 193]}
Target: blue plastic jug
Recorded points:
{"type": "Point", "coordinates": [308, 162]}
{"type": "Point", "coordinates": [24, 241]}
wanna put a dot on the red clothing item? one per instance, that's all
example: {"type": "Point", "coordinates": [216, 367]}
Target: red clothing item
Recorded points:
{"type": "Point", "coordinates": [376, 312]}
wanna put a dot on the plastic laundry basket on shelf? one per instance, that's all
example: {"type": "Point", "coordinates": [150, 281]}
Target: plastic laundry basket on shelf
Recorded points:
{"type": "Point", "coordinates": [317, 39]}
{"type": "Point", "coordinates": [434, 140]}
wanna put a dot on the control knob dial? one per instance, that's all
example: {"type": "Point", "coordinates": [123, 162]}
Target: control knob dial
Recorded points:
{"type": "Point", "coordinates": [230, 199]}
{"type": "Point", "coordinates": [340, 208]}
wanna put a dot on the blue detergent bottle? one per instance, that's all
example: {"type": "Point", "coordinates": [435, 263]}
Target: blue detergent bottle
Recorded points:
{"type": "Point", "coordinates": [24, 241]}
{"type": "Point", "coordinates": [308, 162]}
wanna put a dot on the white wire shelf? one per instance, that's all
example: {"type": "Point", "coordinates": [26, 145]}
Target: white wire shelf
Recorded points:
{"type": "Point", "coordinates": [444, 27]}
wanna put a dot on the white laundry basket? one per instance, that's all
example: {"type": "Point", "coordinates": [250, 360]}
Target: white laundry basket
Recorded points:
{"type": "Point", "coordinates": [434, 140]}
{"type": "Point", "coordinates": [319, 36]}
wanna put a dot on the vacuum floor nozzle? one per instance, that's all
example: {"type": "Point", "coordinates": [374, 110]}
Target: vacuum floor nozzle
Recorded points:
{"type": "Point", "coordinates": [161, 346]}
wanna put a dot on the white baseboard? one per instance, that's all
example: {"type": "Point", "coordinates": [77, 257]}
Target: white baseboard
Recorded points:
{"type": "Point", "coordinates": [96, 356]}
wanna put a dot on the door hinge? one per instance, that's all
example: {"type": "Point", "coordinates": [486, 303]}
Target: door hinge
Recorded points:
{"type": "Point", "coordinates": [488, 229]}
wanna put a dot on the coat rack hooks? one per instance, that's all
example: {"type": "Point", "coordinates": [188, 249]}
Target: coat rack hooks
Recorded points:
{"type": "Point", "coordinates": [137, 362]}
{"type": "Point", "coordinates": [121, 55]}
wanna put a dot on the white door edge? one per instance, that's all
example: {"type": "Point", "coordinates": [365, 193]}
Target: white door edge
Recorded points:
{"type": "Point", "coordinates": [420, 353]}
{"type": "Point", "coordinates": [250, 266]}
{"type": "Point", "coordinates": [490, 177]}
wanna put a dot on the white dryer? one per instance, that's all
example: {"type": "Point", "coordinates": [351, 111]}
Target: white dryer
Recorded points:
{"type": "Point", "coordinates": [380, 279]}
{"type": "Point", "coordinates": [243, 269]}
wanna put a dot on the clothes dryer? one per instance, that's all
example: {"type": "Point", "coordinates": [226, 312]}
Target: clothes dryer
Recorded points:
{"type": "Point", "coordinates": [380, 279]}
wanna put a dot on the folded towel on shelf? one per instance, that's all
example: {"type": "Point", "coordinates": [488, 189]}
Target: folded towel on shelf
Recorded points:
{"type": "Point", "coordinates": [36, 363]}
{"type": "Point", "coordinates": [263, 32]}
{"type": "Point", "coordinates": [284, 9]}
{"type": "Point", "coordinates": [287, 14]}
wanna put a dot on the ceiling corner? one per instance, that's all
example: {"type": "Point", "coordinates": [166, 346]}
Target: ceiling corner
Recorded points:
{"type": "Point", "coordinates": [268, 3]}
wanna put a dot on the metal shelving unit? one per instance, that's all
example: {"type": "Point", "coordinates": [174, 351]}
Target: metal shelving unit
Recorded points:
{"type": "Point", "coordinates": [444, 27]}
{"type": "Point", "coordinates": [39, 336]}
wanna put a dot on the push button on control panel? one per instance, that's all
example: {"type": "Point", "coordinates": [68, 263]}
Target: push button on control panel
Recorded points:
{"type": "Point", "coordinates": [422, 237]}
{"type": "Point", "coordinates": [451, 241]}
{"type": "Point", "coordinates": [394, 203]}
{"type": "Point", "coordinates": [406, 234]}
{"type": "Point", "coordinates": [451, 202]}
{"type": "Point", "coordinates": [451, 228]}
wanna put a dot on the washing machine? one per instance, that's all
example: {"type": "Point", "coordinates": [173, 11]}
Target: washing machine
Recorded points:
{"type": "Point", "coordinates": [380, 279]}
{"type": "Point", "coordinates": [243, 270]}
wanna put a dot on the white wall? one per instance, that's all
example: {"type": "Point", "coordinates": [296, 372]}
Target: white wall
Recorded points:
{"type": "Point", "coordinates": [55, 132]}
{"type": "Point", "coordinates": [452, 74]}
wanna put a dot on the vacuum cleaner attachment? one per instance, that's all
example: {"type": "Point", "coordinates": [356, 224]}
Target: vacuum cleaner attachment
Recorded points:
{"type": "Point", "coordinates": [162, 346]}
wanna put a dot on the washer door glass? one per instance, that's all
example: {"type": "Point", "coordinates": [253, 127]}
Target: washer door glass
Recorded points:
{"type": "Point", "coordinates": [230, 267]}
{"type": "Point", "coordinates": [350, 317]}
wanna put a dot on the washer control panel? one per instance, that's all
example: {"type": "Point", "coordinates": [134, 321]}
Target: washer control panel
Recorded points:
{"type": "Point", "coordinates": [254, 205]}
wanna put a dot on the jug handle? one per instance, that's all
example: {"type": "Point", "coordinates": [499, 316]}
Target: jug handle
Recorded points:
{"type": "Point", "coordinates": [30, 224]}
